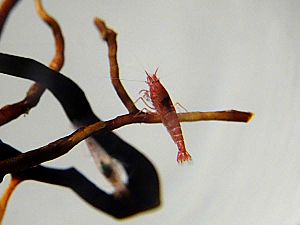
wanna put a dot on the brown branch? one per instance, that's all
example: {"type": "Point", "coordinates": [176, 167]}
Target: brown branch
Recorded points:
{"type": "Point", "coordinates": [13, 111]}
{"type": "Point", "coordinates": [7, 194]}
{"type": "Point", "coordinates": [58, 60]}
{"type": "Point", "coordinates": [110, 37]}
{"type": "Point", "coordinates": [65, 144]}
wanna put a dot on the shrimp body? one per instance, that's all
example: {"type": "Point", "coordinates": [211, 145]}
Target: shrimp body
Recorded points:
{"type": "Point", "coordinates": [166, 110]}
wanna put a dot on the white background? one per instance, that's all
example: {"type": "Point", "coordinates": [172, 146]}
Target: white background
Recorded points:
{"type": "Point", "coordinates": [212, 55]}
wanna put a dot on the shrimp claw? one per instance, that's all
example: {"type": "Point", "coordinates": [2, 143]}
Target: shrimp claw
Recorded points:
{"type": "Point", "coordinates": [183, 156]}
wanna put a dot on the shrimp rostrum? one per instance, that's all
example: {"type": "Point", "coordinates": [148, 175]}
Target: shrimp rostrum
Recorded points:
{"type": "Point", "coordinates": [165, 109]}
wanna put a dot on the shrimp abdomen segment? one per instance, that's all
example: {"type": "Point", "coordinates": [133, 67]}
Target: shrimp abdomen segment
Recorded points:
{"type": "Point", "coordinates": [171, 122]}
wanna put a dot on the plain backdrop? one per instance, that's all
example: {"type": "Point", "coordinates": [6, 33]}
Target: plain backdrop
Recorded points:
{"type": "Point", "coordinates": [212, 55]}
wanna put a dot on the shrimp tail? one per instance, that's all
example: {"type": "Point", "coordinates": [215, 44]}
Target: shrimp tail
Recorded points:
{"type": "Point", "coordinates": [183, 156]}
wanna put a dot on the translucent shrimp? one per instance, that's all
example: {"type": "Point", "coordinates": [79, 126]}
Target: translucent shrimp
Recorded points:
{"type": "Point", "coordinates": [166, 110]}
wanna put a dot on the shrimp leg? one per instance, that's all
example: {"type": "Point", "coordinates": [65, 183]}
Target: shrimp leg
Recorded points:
{"type": "Point", "coordinates": [181, 106]}
{"type": "Point", "coordinates": [144, 99]}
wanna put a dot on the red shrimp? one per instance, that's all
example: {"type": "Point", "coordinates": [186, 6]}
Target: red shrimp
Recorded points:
{"type": "Point", "coordinates": [166, 110]}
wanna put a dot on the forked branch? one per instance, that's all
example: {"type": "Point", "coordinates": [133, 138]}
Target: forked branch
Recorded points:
{"type": "Point", "coordinates": [64, 145]}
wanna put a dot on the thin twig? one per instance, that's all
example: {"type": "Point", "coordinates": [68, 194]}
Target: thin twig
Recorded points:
{"type": "Point", "coordinates": [5, 9]}
{"type": "Point", "coordinates": [13, 111]}
{"type": "Point", "coordinates": [230, 115]}
{"type": "Point", "coordinates": [110, 37]}
{"type": "Point", "coordinates": [7, 194]}
{"type": "Point", "coordinates": [58, 59]}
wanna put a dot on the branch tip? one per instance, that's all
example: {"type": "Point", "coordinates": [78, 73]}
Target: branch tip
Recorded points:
{"type": "Point", "coordinates": [109, 36]}
{"type": "Point", "coordinates": [251, 116]}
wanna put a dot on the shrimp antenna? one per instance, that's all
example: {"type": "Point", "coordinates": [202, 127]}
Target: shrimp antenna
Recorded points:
{"type": "Point", "coordinates": [156, 70]}
{"type": "Point", "coordinates": [147, 73]}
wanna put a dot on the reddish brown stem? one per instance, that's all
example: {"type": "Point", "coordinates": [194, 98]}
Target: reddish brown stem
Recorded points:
{"type": "Point", "coordinates": [110, 37]}
{"type": "Point", "coordinates": [58, 59]}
